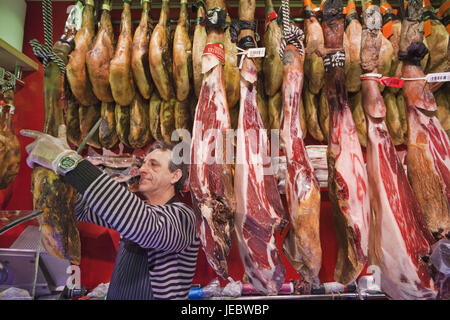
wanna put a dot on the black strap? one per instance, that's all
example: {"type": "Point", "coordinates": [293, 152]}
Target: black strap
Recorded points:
{"type": "Point", "coordinates": [309, 13]}
{"type": "Point", "coordinates": [349, 18]}
{"type": "Point", "coordinates": [216, 18]}
{"type": "Point", "coordinates": [414, 53]}
{"type": "Point", "coordinates": [247, 42]}
{"type": "Point", "coordinates": [446, 20]}
{"type": "Point", "coordinates": [237, 25]}
{"type": "Point", "coordinates": [429, 15]}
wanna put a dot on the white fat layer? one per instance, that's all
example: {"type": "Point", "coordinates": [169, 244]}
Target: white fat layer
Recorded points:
{"type": "Point", "coordinates": [350, 164]}
{"type": "Point", "coordinates": [415, 127]}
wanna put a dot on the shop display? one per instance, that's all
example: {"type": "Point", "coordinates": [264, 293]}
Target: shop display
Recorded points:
{"type": "Point", "coordinates": [397, 226]}
{"type": "Point", "coordinates": [120, 73]}
{"type": "Point", "coordinates": [347, 176]}
{"type": "Point", "coordinates": [210, 171]}
{"type": "Point", "coordinates": [139, 55]}
{"type": "Point", "coordinates": [290, 113]}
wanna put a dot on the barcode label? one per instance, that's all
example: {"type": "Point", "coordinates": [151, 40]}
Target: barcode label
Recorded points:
{"type": "Point", "coordinates": [438, 77]}
{"type": "Point", "coordinates": [256, 52]}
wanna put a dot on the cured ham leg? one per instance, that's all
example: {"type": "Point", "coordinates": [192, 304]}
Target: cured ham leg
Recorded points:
{"type": "Point", "coordinates": [60, 236]}
{"type": "Point", "coordinates": [232, 73]}
{"type": "Point", "coordinates": [272, 66]}
{"type": "Point", "coordinates": [198, 45]}
{"type": "Point", "coordinates": [210, 174]}
{"type": "Point", "coordinates": [99, 57]}
{"type": "Point", "coordinates": [182, 55]}
{"type": "Point", "coordinates": [314, 71]}
{"type": "Point", "coordinates": [428, 157]}
{"type": "Point", "coordinates": [76, 70]}
{"type": "Point", "coordinates": [347, 177]}
{"type": "Point", "coordinates": [302, 243]}
{"type": "Point", "coordinates": [9, 143]}
{"type": "Point", "coordinates": [259, 211]}
{"type": "Point", "coordinates": [398, 236]}
{"type": "Point", "coordinates": [352, 45]}
{"type": "Point", "coordinates": [120, 74]}
{"type": "Point", "coordinates": [160, 57]}
{"type": "Point", "coordinates": [139, 56]}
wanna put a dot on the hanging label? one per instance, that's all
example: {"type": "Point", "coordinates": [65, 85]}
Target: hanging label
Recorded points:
{"type": "Point", "coordinates": [438, 77]}
{"type": "Point", "coordinates": [216, 48]}
{"type": "Point", "coordinates": [271, 16]}
{"type": "Point", "coordinates": [334, 60]}
{"type": "Point", "coordinates": [385, 81]}
{"type": "Point", "coordinates": [256, 52]}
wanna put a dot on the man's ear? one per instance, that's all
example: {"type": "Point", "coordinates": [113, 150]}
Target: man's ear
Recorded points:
{"type": "Point", "coordinates": [176, 175]}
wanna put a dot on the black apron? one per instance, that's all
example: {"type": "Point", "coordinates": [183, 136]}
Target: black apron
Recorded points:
{"type": "Point", "coordinates": [130, 279]}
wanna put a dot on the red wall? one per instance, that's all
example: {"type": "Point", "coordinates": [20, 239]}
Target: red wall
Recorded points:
{"type": "Point", "coordinates": [99, 245]}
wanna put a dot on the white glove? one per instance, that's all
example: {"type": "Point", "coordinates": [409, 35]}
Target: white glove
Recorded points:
{"type": "Point", "coordinates": [47, 150]}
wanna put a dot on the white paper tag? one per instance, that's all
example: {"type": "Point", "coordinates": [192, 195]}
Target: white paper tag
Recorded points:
{"type": "Point", "coordinates": [438, 77]}
{"type": "Point", "coordinates": [256, 52]}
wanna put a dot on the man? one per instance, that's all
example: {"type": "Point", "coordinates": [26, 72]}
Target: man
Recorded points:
{"type": "Point", "coordinates": [158, 248]}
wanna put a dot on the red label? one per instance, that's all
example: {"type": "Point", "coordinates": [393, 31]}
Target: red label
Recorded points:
{"type": "Point", "coordinates": [392, 82]}
{"type": "Point", "coordinates": [216, 48]}
{"type": "Point", "coordinates": [270, 17]}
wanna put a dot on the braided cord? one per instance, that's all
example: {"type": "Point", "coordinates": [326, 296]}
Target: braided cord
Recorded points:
{"type": "Point", "coordinates": [45, 52]}
{"type": "Point", "coordinates": [291, 33]}
{"type": "Point", "coordinates": [48, 18]}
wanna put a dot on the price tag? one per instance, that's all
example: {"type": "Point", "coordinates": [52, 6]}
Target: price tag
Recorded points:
{"type": "Point", "coordinates": [256, 52]}
{"type": "Point", "coordinates": [438, 77]}
{"type": "Point", "coordinates": [392, 82]}
{"type": "Point", "coordinates": [216, 48]}
{"type": "Point", "coordinates": [269, 18]}
{"type": "Point", "coordinates": [385, 81]}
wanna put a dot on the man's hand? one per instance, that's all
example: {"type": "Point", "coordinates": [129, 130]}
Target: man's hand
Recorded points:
{"type": "Point", "coordinates": [47, 150]}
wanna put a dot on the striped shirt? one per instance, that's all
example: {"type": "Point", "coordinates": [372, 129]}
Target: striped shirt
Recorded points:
{"type": "Point", "coordinates": [167, 232]}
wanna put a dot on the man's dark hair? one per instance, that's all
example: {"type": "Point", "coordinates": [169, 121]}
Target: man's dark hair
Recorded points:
{"type": "Point", "coordinates": [163, 146]}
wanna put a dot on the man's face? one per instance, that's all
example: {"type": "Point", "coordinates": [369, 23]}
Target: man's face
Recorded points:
{"type": "Point", "coordinates": [155, 173]}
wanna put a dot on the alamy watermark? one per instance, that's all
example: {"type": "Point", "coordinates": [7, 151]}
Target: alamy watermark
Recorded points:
{"type": "Point", "coordinates": [220, 147]}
